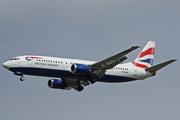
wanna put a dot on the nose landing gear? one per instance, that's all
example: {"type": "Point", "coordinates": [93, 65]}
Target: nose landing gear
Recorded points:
{"type": "Point", "coordinates": [19, 74]}
{"type": "Point", "coordinates": [22, 78]}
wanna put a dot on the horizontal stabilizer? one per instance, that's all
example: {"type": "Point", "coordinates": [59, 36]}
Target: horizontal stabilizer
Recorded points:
{"type": "Point", "coordinates": [159, 66]}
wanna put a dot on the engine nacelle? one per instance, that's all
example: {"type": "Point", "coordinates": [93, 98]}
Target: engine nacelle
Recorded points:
{"type": "Point", "coordinates": [80, 69]}
{"type": "Point", "coordinates": [56, 83]}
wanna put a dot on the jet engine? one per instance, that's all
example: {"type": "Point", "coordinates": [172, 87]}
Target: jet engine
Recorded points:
{"type": "Point", "coordinates": [80, 69]}
{"type": "Point", "coordinates": [56, 83]}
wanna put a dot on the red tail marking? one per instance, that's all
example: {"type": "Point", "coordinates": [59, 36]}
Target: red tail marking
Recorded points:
{"type": "Point", "coordinates": [149, 51]}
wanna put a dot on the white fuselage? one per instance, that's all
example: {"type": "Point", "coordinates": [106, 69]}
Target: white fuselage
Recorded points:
{"type": "Point", "coordinates": [61, 68]}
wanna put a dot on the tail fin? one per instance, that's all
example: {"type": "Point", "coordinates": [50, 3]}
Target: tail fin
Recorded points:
{"type": "Point", "coordinates": [145, 58]}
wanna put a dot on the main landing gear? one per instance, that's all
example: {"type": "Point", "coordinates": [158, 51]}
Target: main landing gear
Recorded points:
{"type": "Point", "coordinates": [80, 88]}
{"type": "Point", "coordinates": [92, 81]}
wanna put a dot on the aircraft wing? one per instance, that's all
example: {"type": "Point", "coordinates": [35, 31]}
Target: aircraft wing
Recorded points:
{"type": "Point", "coordinates": [99, 68]}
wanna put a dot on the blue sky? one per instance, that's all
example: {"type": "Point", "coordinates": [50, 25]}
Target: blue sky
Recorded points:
{"type": "Point", "coordinates": [90, 30]}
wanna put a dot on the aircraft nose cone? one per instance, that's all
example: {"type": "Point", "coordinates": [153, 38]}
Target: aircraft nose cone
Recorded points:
{"type": "Point", "coordinates": [5, 65]}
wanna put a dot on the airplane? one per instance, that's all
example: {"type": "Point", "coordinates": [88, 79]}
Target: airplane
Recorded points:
{"type": "Point", "coordinates": [76, 74]}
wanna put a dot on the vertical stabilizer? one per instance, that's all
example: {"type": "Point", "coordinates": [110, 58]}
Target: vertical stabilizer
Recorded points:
{"type": "Point", "coordinates": [145, 58]}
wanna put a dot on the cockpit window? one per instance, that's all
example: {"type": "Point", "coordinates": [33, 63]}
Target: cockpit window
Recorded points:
{"type": "Point", "coordinates": [14, 58]}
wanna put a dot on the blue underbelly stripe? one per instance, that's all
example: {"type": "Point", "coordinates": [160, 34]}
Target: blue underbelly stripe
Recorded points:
{"type": "Point", "coordinates": [66, 74]}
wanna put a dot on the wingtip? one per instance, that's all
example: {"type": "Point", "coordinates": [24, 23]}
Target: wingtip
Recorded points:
{"type": "Point", "coordinates": [174, 60]}
{"type": "Point", "coordinates": [135, 47]}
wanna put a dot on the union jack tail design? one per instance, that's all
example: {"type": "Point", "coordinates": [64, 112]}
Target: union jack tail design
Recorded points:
{"type": "Point", "coordinates": [145, 58]}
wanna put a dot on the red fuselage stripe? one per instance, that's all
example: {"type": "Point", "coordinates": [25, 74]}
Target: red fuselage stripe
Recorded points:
{"type": "Point", "coordinates": [139, 65]}
{"type": "Point", "coordinates": [34, 57]}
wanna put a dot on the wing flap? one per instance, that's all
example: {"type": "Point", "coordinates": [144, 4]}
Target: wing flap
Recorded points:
{"type": "Point", "coordinates": [85, 83]}
{"type": "Point", "coordinates": [99, 73]}
{"type": "Point", "coordinates": [68, 88]}
{"type": "Point", "coordinates": [73, 83]}
{"type": "Point", "coordinates": [115, 62]}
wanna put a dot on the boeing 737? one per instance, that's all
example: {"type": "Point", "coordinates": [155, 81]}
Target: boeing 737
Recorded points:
{"type": "Point", "coordinates": [76, 74]}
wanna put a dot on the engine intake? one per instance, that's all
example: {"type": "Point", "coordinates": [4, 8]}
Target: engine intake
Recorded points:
{"type": "Point", "coordinates": [80, 69]}
{"type": "Point", "coordinates": [56, 83]}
